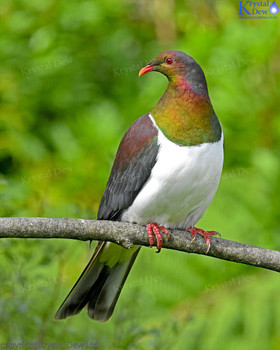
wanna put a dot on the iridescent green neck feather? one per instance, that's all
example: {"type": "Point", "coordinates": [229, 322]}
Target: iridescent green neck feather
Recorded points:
{"type": "Point", "coordinates": [186, 117]}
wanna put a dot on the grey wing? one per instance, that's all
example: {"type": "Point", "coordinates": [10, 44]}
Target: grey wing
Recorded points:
{"type": "Point", "coordinates": [134, 162]}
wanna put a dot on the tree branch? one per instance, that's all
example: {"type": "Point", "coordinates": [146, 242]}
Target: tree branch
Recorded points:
{"type": "Point", "coordinates": [128, 234]}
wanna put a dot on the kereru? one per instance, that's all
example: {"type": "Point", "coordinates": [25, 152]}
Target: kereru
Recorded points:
{"type": "Point", "coordinates": [165, 175]}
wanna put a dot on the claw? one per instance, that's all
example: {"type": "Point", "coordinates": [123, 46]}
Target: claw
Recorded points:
{"type": "Point", "coordinates": [165, 231]}
{"type": "Point", "coordinates": [206, 234]}
{"type": "Point", "coordinates": [150, 234]}
{"type": "Point", "coordinates": [153, 228]}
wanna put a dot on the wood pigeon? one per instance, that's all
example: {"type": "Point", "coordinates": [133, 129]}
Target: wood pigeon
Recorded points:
{"type": "Point", "coordinates": [165, 175]}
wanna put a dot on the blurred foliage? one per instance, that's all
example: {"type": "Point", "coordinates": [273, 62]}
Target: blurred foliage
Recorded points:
{"type": "Point", "coordinates": [69, 90]}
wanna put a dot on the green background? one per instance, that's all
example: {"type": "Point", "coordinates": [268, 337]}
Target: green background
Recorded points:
{"type": "Point", "coordinates": [69, 89]}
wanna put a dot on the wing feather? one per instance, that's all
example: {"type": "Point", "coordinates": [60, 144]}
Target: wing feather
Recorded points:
{"type": "Point", "coordinates": [134, 162]}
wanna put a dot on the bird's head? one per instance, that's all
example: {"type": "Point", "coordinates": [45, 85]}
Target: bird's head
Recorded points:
{"type": "Point", "coordinates": [177, 67]}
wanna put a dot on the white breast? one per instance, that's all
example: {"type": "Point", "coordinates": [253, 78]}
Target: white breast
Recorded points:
{"type": "Point", "coordinates": [182, 184]}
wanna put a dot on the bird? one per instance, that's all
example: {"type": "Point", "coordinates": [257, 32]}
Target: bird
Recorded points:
{"type": "Point", "coordinates": [164, 176]}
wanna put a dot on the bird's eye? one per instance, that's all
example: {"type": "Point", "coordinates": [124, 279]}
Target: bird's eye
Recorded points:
{"type": "Point", "coordinates": [169, 60]}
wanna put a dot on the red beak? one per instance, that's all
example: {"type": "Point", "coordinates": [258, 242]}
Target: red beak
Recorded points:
{"type": "Point", "coordinates": [146, 69]}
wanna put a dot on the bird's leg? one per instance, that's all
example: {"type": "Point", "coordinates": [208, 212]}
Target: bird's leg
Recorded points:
{"type": "Point", "coordinates": [152, 229]}
{"type": "Point", "coordinates": [206, 234]}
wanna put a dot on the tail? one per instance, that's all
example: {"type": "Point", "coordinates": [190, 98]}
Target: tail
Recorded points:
{"type": "Point", "coordinates": [101, 282]}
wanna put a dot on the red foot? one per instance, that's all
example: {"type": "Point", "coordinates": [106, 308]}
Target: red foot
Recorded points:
{"type": "Point", "coordinates": [206, 234]}
{"type": "Point", "coordinates": [153, 228]}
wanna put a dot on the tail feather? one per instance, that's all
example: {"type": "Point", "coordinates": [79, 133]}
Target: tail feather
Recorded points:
{"type": "Point", "coordinates": [101, 305]}
{"type": "Point", "coordinates": [99, 285]}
